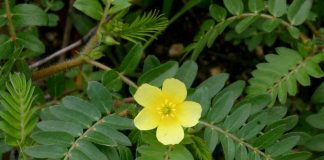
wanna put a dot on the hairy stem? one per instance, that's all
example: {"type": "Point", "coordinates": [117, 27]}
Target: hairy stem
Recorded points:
{"type": "Point", "coordinates": [78, 60]}
{"type": "Point", "coordinates": [57, 68]}
{"type": "Point", "coordinates": [237, 139]}
{"type": "Point", "coordinates": [10, 25]}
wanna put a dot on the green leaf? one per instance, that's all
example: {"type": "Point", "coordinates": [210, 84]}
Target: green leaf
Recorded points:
{"type": "Point", "coordinates": [228, 147]}
{"type": "Point", "coordinates": [150, 62]}
{"type": "Point", "coordinates": [313, 69]}
{"type": "Point", "coordinates": [245, 23]}
{"type": "Point", "coordinates": [132, 59]}
{"type": "Point", "coordinates": [235, 120]}
{"type": "Point", "coordinates": [119, 123]}
{"type": "Point", "coordinates": [289, 122]}
{"type": "Point", "coordinates": [30, 41]}
{"type": "Point", "coordinates": [68, 115]}
{"type": "Point", "coordinates": [200, 97]}
{"type": "Point", "coordinates": [216, 31]}
{"type": "Point", "coordinates": [187, 73]}
{"type": "Point", "coordinates": [221, 107]}
{"type": "Point", "coordinates": [67, 127]}
{"type": "Point", "coordinates": [214, 84]}
{"type": "Point", "coordinates": [302, 77]}
{"type": "Point", "coordinates": [91, 8]}
{"type": "Point", "coordinates": [294, 32]}
{"type": "Point", "coordinates": [298, 11]}
{"type": "Point", "coordinates": [200, 45]}
{"type": "Point", "coordinates": [315, 143]}
{"type": "Point", "coordinates": [241, 152]}
{"type": "Point", "coordinates": [295, 156]}
{"type": "Point", "coordinates": [90, 150]}
{"type": "Point", "coordinates": [316, 120]}
{"type": "Point", "coordinates": [28, 15]}
{"type": "Point", "coordinates": [143, 27]}
{"type": "Point", "coordinates": [56, 85]}
{"type": "Point", "coordinates": [79, 105]}
{"type": "Point", "coordinates": [18, 115]}
{"type": "Point", "coordinates": [211, 139]}
{"type": "Point", "coordinates": [256, 5]}
{"type": "Point", "coordinates": [118, 6]}
{"type": "Point", "coordinates": [57, 5]}
{"type": "Point", "coordinates": [52, 19]}
{"type": "Point", "coordinates": [217, 12]}
{"type": "Point", "coordinates": [112, 81]}
{"type": "Point", "coordinates": [270, 24]}
{"type": "Point", "coordinates": [82, 23]}
{"type": "Point", "coordinates": [118, 137]}
{"type": "Point", "coordinates": [198, 148]}
{"type": "Point", "coordinates": [125, 153]}
{"type": "Point", "coordinates": [100, 96]}
{"type": "Point", "coordinates": [269, 137]}
{"type": "Point", "coordinates": [100, 138]}
{"type": "Point", "coordinates": [283, 146]}
{"type": "Point", "coordinates": [235, 7]}
{"type": "Point", "coordinates": [157, 75]}
{"type": "Point", "coordinates": [180, 152]}
{"type": "Point", "coordinates": [52, 138]}
{"type": "Point", "coordinates": [317, 97]}
{"type": "Point", "coordinates": [6, 47]}
{"type": "Point", "coordinates": [46, 151]}
{"type": "Point", "coordinates": [277, 7]}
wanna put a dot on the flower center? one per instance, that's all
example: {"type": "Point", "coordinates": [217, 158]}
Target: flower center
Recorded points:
{"type": "Point", "coordinates": [167, 109]}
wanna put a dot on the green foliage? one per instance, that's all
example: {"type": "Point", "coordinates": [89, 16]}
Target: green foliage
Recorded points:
{"type": "Point", "coordinates": [279, 76]}
{"type": "Point", "coordinates": [81, 118]}
{"type": "Point", "coordinates": [79, 127]}
{"type": "Point", "coordinates": [247, 131]}
{"type": "Point", "coordinates": [144, 27]}
{"type": "Point", "coordinates": [91, 8]}
{"type": "Point", "coordinates": [18, 117]}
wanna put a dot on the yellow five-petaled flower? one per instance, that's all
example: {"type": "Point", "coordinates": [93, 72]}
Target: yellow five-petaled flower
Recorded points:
{"type": "Point", "coordinates": [167, 110]}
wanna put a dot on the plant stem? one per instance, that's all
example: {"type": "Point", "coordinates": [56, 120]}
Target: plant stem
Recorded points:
{"type": "Point", "coordinates": [314, 30]}
{"type": "Point", "coordinates": [57, 68]}
{"type": "Point", "coordinates": [94, 40]}
{"type": "Point", "coordinates": [10, 25]}
{"type": "Point", "coordinates": [302, 36]}
{"type": "Point", "coordinates": [166, 156]}
{"type": "Point", "coordinates": [78, 60]}
{"type": "Point", "coordinates": [106, 68]}
{"type": "Point", "coordinates": [240, 141]}
{"type": "Point", "coordinates": [55, 54]}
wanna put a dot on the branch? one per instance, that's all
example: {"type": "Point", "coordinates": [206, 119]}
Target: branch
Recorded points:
{"type": "Point", "coordinates": [314, 30]}
{"type": "Point", "coordinates": [302, 36]}
{"type": "Point", "coordinates": [55, 54]}
{"type": "Point", "coordinates": [57, 68]}
{"type": "Point", "coordinates": [237, 139]}
{"type": "Point", "coordinates": [76, 61]}
{"type": "Point", "coordinates": [10, 25]}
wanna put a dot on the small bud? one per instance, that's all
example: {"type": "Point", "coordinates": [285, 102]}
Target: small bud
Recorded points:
{"type": "Point", "coordinates": [110, 41]}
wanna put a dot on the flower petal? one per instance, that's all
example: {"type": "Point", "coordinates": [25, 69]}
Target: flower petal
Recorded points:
{"type": "Point", "coordinates": [147, 119]}
{"type": "Point", "coordinates": [147, 95]}
{"type": "Point", "coordinates": [188, 113]}
{"type": "Point", "coordinates": [169, 132]}
{"type": "Point", "coordinates": [174, 89]}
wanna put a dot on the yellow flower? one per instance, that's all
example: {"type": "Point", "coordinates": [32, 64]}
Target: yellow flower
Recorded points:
{"type": "Point", "coordinates": [167, 110]}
